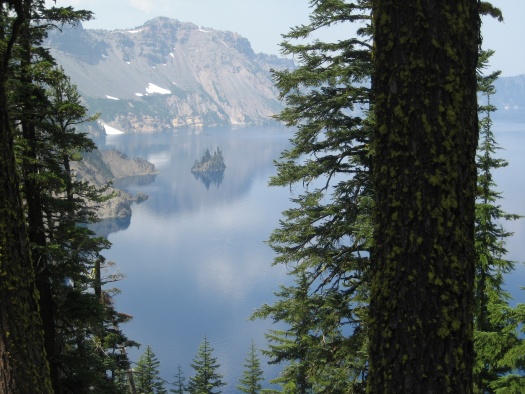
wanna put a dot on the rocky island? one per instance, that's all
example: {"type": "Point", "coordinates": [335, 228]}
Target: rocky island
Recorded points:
{"type": "Point", "coordinates": [209, 162]}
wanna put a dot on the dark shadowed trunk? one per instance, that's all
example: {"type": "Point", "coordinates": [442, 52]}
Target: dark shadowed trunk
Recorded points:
{"type": "Point", "coordinates": [424, 173]}
{"type": "Point", "coordinates": [23, 365]}
{"type": "Point", "coordinates": [32, 188]}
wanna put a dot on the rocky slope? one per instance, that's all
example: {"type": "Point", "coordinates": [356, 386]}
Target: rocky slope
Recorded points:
{"type": "Point", "coordinates": [99, 168]}
{"type": "Point", "coordinates": [510, 93]}
{"type": "Point", "coordinates": [168, 74]}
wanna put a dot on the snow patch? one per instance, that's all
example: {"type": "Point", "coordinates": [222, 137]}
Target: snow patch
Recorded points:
{"type": "Point", "coordinates": [204, 31]}
{"type": "Point", "coordinates": [139, 94]}
{"type": "Point", "coordinates": [152, 88]}
{"type": "Point", "coordinates": [128, 62]}
{"type": "Point", "coordinates": [134, 31]}
{"type": "Point", "coordinates": [172, 55]}
{"type": "Point", "coordinates": [111, 130]}
{"type": "Point", "coordinates": [112, 98]}
{"type": "Point", "coordinates": [224, 43]}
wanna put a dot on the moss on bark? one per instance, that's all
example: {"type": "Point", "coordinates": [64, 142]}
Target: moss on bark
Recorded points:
{"type": "Point", "coordinates": [424, 175]}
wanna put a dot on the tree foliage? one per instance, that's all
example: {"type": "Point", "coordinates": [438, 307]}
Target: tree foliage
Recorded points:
{"type": "Point", "coordinates": [325, 238]}
{"type": "Point", "coordinates": [148, 380]}
{"type": "Point", "coordinates": [327, 101]}
{"type": "Point", "coordinates": [496, 324]}
{"type": "Point", "coordinates": [23, 365]}
{"type": "Point", "coordinates": [83, 341]}
{"type": "Point", "coordinates": [207, 379]}
{"type": "Point", "coordinates": [252, 376]}
{"type": "Point", "coordinates": [180, 386]}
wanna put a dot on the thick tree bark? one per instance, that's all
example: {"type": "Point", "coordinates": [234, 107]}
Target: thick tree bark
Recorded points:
{"type": "Point", "coordinates": [23, 365]}
{"type": "Point", "coordinates": [33, 202]}
{"type": "Point", "coordinates": [424, 174]}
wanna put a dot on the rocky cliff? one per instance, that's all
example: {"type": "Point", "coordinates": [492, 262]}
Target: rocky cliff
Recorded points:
{"type": "Point", "coordinates": [100, 168]}
{"type": "Point", "coordinates": [168, 74]}
{"type": "Point", "coordinates": [510, 93]}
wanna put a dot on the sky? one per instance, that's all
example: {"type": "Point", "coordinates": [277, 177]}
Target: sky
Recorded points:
{"type": "Point", "coordinates": [263, 21]}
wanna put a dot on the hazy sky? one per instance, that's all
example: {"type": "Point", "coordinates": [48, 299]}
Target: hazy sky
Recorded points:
{"type": "Point", "coordinates": [263, 21]}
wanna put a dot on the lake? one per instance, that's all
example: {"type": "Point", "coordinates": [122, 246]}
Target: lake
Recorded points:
{"type": "Point", "coordinates": [194, 254]}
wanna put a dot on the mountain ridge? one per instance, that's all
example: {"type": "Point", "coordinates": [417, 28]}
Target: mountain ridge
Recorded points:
{"type": "Point", "coordinates": [167, 74]}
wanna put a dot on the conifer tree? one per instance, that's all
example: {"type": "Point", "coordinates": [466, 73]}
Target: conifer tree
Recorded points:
{"type": "Point", "coordinates": [207, 378]}
{"type": "Point", "coordinates": [510, 355]}
{"type": "Point", "coordinates": [78, 313]}
{"type": "Point", "coordinates": [251, 379]}
{"type": "Point", "coordinates": [299, 239]}
{"type": "Point", "coordinates": [180, 387]}
{"type": "Point", "coordinates": [82, 337]}
{"type": "Point", "coordinates": [496, 332]}
{"type": "Point", "coordinates": [324, 239]}
{"type": "Point", "coordinates": [148, 380]}
{"type": "Point", "coordinates": [23, 365]}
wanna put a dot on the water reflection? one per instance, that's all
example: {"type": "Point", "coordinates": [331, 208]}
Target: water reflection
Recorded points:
{"type": "Point", "coordinates": [194, 257]}
{"type": "Point", "coordinates": [209, 177]}
{"type": "Point", "coordinates": [108, 226]}
{"type": "Point", "coordinates": [135, 182]}
{"type": "Point", "coordinates": [248, 154]}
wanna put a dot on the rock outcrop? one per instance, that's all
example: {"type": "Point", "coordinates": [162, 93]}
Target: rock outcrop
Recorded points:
{"type": "Point", "coordinates": [101, 167]}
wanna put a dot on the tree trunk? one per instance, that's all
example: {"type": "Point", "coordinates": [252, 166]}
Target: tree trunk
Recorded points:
{"type": "Point", "coordinates": [424, 174]}
{"type": "Point", "coordinates": [34, 210]}
{"type": "Point", "coordinates": [23, 365]}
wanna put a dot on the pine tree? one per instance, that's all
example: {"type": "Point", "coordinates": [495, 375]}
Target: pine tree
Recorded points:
{"type": "Point", "coordinates": [510, 358]}
{"type": "Point", "coordinates": [207, 379]}
{"type": "Point", "coordinates": [180, 387]}
{"type": "Point", "coordinates": [23, 365]}
{"type": "Point", "coordinates": [148, 380]}
{"type": "Point", "coordinates": [82, 337]}
{"type": "Point", "coordinates": [324, 239]}
{"type": "Point", "coordinates": [251, 379]}
{"type": "Point", "coordinates": [78, 313]}
{"type": "Point", "coordinates": [496, 332]}
{"type": "Point", "coordinates": [424, 176]}
{"type": "Point", "coordinates": [301, 242]}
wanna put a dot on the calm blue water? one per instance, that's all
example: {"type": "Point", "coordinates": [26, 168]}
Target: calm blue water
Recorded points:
{"type": "Point", "coordinates": [510, 180]}
{"type": "Point", "coordinates": [194, 254]}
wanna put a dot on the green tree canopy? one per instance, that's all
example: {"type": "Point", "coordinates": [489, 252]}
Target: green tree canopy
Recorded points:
{"type": "Point", "coordinates": [82, 339]}
{"type": "Point", "coordinates": [207, 379]}
{"type": "Point", "coordinates": [252, 376]}
{"type": "Point", "coordinates": [325, 239]}
{"type": "Point", "coordinates": [496, 324]}
{"type": "Point", "coordinates": [148, 380]}
{"type": "Point", "coordinates": [178, 384]}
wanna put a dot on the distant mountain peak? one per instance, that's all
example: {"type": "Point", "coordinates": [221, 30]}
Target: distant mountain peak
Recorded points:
{"type": "Point", "coordinates": [166, 74]}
